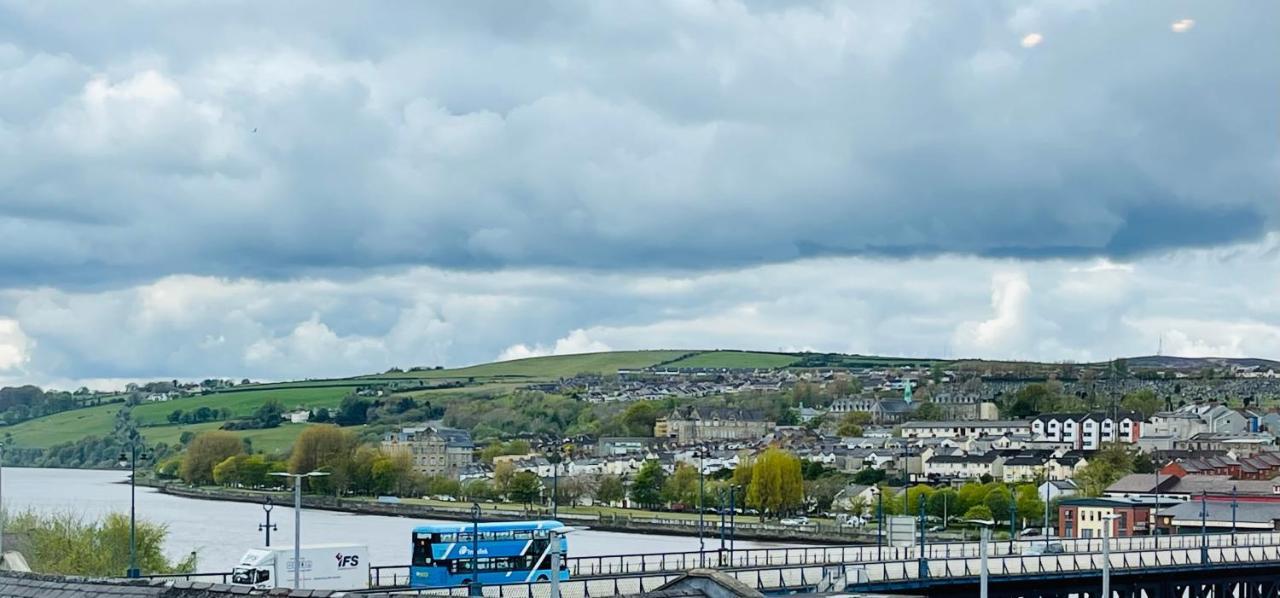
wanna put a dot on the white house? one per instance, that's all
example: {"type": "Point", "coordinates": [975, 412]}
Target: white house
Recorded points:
{"type": "Point", "coordinates": [1087, 431]}
{"type": "Point", "coordinates": [296, 417]}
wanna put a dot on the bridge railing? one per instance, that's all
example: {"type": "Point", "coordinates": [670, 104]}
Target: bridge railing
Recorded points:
{"type": "Point", "coordinates": [766, 579]}
{"type": "Point", "coordinates": [395, 575]}
{"type": "Point", "coordinates": [1141, 558]}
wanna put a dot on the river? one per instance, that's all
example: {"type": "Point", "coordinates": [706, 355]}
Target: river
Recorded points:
{"type": "Point", "coordinates": [219, 532]}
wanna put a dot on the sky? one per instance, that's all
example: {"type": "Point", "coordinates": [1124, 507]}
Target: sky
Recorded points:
{"type": "Point", "coordinates": [313, 189]}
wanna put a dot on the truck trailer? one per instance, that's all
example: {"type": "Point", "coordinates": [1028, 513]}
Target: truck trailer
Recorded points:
{"type": "Point", "coordinates": [323, 567]}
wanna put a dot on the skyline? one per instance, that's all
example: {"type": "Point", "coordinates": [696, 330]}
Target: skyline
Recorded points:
{"type": "Point", "coordinates": [265, 192]}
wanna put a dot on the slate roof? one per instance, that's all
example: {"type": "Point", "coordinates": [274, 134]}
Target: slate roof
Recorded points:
{"type": "Point", "coordinates": [32, 585]}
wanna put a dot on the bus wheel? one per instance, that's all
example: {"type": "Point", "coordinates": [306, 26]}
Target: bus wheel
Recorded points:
{"type": "Point", "coordinates": [466, 582]}
{"type": "Point", "coordinates": [543, 578]}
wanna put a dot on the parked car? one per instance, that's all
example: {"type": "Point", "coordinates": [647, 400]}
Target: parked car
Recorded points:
{"type": "Point", "coordinates": [796, 521]}
{"type": "Point", "coordinates": [1039, 548]}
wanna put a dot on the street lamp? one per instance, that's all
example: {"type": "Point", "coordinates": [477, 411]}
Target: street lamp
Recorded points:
{"type": "Point", "coordinates": [297, 519]}
{"type": "Point", "coordinates": [879, 523]}
{"type": "Point", "coordinates": [3, 515]}
{"type": "Point", "coordinates": [268, 527]}
{"type": "Point", "coordinates": [131, 459]}
{"type": "Point", "coordinates": [554, 458]}
{"type": "Point", "coordinates": [1106, 553]}
{"type": "Point", "coordinates": [475, 588]}
{"type": "Point", "coordinates": [702, 544]}
{"type": "Point", "coordinates": [983, 571]}
{"type": "Point", "coordinates": [1234, 505]}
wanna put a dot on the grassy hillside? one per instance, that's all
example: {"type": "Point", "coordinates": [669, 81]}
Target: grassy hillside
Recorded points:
{"type": "Point", "coordinates": [67, 426]}
{"type": "Point", "coordinates": [242, 403]}
{"type": "Point", "coordinates": [552, 366]}
{"type": "Point", "coordinates": [735, 359]}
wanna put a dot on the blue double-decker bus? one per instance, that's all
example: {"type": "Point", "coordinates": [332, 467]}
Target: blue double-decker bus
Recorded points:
{"type": "Point", "coordinates": [506, 552]}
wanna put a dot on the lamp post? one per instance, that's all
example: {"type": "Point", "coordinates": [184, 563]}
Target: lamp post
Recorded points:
{"type": "Point", "coordinates": [984, 539]}
{"type": "Point", "coordinates": [297, 519]}
{"type": "Point", "coordinates": [733, 514]}
{"type": "Point", "coordinates": [1106, 553]}
{"type": "Point", "coordinates": [1155, 515]}
{"type": "Point", "coordinates": [924, 559]}
{"type": "Point", "coordinates": [475, 589]}
{"type": "Point", "coordinates": [1204, 528]}
{"type": "Point", "coordinates": [1048, 492]}
{"type": "Point", "coordinates": [1234, 506]}
{"type": "Point", "coordinates": [268, 527]}
{"type": "Point", "coordinates": [879, 524]}
{"type": "Point", "coordinates": [554, 458]}
{"type": "Point", "coordinates": [702, 543]}
{"type": "Point", "coordinates": [131, 459]}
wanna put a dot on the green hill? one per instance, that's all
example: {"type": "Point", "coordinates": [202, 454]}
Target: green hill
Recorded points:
{"type": "Point", "coordinates": [478, 379]}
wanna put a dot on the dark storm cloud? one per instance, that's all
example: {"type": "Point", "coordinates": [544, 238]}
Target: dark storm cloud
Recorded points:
{"type": "Point", "coordinates": [242, 140]}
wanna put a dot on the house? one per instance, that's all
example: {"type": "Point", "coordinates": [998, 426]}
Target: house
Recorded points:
{"type": "Point", "coordinates": [854, 496]}
{"type": "Point", "coordinates": [433, 450]}
{"type": "Point", "coordinates": [1198, 418]}
{"type": "Point", "coordinates": [1246, 443]}
{"type": "Point", "coordinates": [1056, 489]}
{"type": "Point", "coordinates": [1088, 431]}
{"type": "Point", "coordinates": [964, 429]}
{"type": "Point", "coordinates": [297, 417]}
{"type": "Point", "coordinates": [963, 467]}
{"type": "Point", "coordinates": [1086, 517]}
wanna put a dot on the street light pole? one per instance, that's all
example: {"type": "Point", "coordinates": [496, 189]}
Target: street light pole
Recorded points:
{"type": "Point", "coordinates": [132, 457]}
{"type": "Point", "coordinates": [268, 527]}
{"type": "Point", "coordinates": [475, 589]}
{"type": "Point", "coordinates": [702, 544]}
{"type": "Point", "coordinates": [555, 485]}
{"type": "Point", "coordinates": [879, 524]}
{"type": "Point", "coordinates": [1234, 506]}
{"type": "Point", "coordinates": [1106, 554]}
{"type": "Point", "coordinates": [1204, 528]}
{"type": "Point", "coordinates": [4, 516]}
{"type": "Point", "coordinates": [983, 541]}
{"type": "Point", "coordinates": [297, 520]}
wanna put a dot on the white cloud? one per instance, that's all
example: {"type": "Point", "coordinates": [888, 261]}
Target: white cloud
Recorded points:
{"type": "Point", "coordinates": [576, 342]}
{"type": "Point", "coordinates": [14, 346]}
{"type": "Point", "coordinates": [1006, 329]}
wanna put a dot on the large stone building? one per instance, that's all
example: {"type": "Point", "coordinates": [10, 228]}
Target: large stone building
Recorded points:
{"type": "Point", "coordinates": [434, 450]}
{"type": "Point", "coordinates": [698, 424]}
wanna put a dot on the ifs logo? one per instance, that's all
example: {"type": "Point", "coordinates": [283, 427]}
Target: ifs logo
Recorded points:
{"type": "Point", "coordinates": [347, 561]}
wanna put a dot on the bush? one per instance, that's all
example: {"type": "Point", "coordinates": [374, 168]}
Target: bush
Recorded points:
{"type": "Point", "coordinates": [68, 544]}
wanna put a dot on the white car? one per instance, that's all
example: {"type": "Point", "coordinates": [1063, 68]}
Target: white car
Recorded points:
{"type": "Point", "coordinates": [796, 521]}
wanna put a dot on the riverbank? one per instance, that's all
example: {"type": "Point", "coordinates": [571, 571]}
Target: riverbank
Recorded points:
{"type": "Point", "coordinates": [769, 532]}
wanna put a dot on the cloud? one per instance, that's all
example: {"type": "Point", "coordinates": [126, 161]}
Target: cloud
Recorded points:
{"type": "Point", "coordinates": [145, 142]}
{"type": "Point", "coordinates": [1032, 40]}
{"type": "Point", "coordinates": [14, 346]}
{"type": "Point", "coordinates": [1010, 295]}
{"type": "Point", "coordinates": [576, 342]}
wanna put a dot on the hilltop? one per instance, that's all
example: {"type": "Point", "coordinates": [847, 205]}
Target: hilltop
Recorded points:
{"type": "Point", "coordinates": [440, 386]}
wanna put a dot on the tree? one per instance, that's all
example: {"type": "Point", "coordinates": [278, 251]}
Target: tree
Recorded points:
{"type": "Point", "coordinates": [928, 411]}
{"type": "Point", "coordinates": [525, 488]}
{"type": "Point", "coordinates": [324, 447]}
{"type": "Point", "coordinates": [1000, 502]}
{"type": "Point", "coordinates": [851, 424]}
{"type": "Point", "coordinates": [321, 416]}
{"type": "Point", "coordinates": [979, 513]}
{"type": "Point", "coordinates": [353, 411]}
{"type": "Point", "coordinates": [639, 418]}
{"type": "Point", "coordinates": [942, 503]}
{"type": "Point", "coordinates": [610, 490]}
{"type": "Point", "coordinates": [646, 488]}
{"type": "Point", "coordinates": [776, 484]}
{"type": "Point", "coordinates": [1106, 466]}
{"type": "Point", "coordinates": [869, 476]}
{"type": "Point", "coordinates": [1030, 400]}
{"type": "Point", "coordinates": [681, 486]}
{"type": "Point", "coordinates": [206, 451]}
{"type": "Point", "coordinates": [268, 415]}
{"type": "Point", "coordinates": [1030, 507]}
{"type": "Point", "coordinates": [503, 474]}
{"type": "Point", "coordinates": [1143, 401]}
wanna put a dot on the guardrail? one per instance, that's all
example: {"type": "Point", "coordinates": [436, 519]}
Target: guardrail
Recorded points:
{"type": "Point", "coordinates": [604, 566]}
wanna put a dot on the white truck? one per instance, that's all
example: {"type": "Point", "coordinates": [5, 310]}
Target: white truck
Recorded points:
{"type": "Point", "coordinates": [323, 567]}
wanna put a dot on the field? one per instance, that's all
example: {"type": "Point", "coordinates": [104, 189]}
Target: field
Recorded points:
{"type": "Point", "coordinates": [489, 378]}
{"type": "Point", "coordinates": [551, 367]}
{"type": "Point", "coordinates": [735, 359]}
{"type": "Point", "coordinates": [269, 440]}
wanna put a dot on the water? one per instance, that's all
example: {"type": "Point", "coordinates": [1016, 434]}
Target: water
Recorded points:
{"type": "Point", "coordinates": [219, 532]}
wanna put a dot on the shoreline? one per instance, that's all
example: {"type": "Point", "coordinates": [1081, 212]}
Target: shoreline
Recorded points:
{"type": "Point", "coordinates": [679, 527]}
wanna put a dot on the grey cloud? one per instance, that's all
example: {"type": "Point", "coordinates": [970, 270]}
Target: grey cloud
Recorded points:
{"type": "Point", "coordinates": [638, 136]}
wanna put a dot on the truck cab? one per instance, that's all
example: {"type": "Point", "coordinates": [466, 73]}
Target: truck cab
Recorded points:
{"type": "Point", "coordinates": [255, 570]}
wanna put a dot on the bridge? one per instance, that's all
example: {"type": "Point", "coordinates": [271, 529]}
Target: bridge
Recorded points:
{"type": "Point", "coordinates": [1186, 566]}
